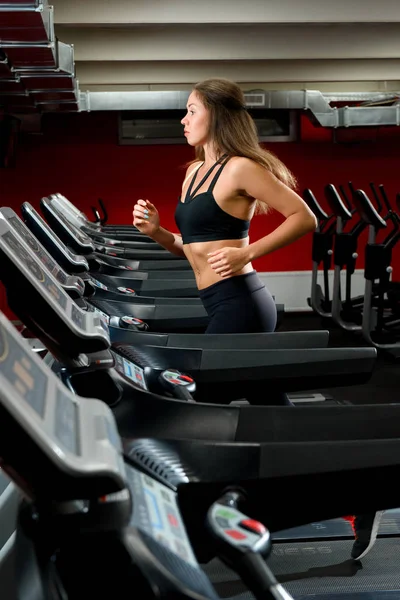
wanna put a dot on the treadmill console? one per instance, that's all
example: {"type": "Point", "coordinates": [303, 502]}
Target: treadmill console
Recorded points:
{"type": "Point", "coordinates": [53, 204]}
{"type": "Point", "coordinates": [73, 437]}
{"type": "Point", "coordinates": [34, 245]}
{"type": "Point", "coordinates": [86, 328]}
{"type": "Point", "coordinates": [156, 514]}
{"type": "Point", "coordinates": [60, 447]}
{"type": "Point", "coordinates": [69, 206]}
{"type": "Point", "coordinates": [157, 518]}
{"type": "Point", "coordinates": [46, 235]}
{"type": "Point", "coordinates": [106, 318]}
{"type": "Point", "coordinates": [130, 370]}
{"type": "Point", "coordinates": [77, 238]}
{"type": "Point", "coordinates": [74, 216]}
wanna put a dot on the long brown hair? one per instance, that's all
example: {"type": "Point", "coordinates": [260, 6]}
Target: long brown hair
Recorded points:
{"type": "Point", "coordinates": [233, 130]}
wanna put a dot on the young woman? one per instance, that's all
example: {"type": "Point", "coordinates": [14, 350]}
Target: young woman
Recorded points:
{"type": "Point", "coordinates": [231, 179]}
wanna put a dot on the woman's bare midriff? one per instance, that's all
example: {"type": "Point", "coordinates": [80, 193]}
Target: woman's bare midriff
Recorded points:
{"type": "Point", "coordinates": [197, 255]}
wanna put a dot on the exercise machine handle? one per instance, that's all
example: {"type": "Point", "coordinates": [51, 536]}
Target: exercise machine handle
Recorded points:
{"type": "Point", "coordinates": [243, 544]}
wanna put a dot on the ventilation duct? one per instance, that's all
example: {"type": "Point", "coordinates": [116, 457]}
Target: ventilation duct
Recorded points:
{"type": "Point", "coordinates": [27, 34]}
{"type": "Point", "coordinates": [315, 103]}
{"type": "Point", "coordinates": [37, 71]}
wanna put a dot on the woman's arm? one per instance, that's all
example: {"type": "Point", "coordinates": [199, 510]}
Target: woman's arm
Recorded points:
{"type": "Point", "coordinates": [147, 220]}
{"type": "Point", "coordinates": [259, 183]}
{"type": "Point", "coordinates": [170, 241]}
{"type": "Point", "coordinates": [251, 178]}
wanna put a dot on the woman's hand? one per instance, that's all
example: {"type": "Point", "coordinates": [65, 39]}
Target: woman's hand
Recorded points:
{"type": "Point", "coordinates": [227, 261]}
{"type": "Point", "coordinates": [146, 217]}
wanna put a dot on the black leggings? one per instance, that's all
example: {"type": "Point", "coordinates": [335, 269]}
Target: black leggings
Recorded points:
{"type": "Point", "coordinates": [240, 304]}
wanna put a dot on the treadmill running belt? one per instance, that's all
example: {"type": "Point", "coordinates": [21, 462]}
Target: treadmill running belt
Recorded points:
{"type": "Point", "coordinates": [110, 308]}
{"type": "Point", "coordinates": [334, 528]}
{"type": "Point", "coordinates": [323, 571]}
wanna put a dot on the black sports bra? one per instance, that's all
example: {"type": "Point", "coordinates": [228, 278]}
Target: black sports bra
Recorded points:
{"type": "Point", "coordinates": [200, 219]}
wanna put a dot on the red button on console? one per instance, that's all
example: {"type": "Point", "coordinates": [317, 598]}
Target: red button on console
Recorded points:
{"type": "Point", "coordinates": [173, 520]}
{"type": "Point", "coordinates": [235, 534]}
{"type": "Point", "coordinates": [253, 526]}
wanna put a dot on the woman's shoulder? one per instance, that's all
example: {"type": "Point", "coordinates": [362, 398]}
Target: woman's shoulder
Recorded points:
{"type": "Point", "coordinates": [193, 165]}
{"type": "Point", "coordinates": [239, 164]}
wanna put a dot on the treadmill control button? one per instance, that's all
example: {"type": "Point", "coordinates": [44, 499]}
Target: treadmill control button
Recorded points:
{"type": "Point", "coordinates": [125, 290]}
{"type": "Point", "coordinates": [135, 324]}
{"type": "Point", "coordinates": [131, 321]}
{"type": "Point", "coordinates": [235, 534]}
{"type": "Point", "coordinates": [176, 377]}
{"type": "Point", "coordinates": [186, 378]}
{"type": "Point", "coordinates": [224, 523]}
{"type": "Point", "coordinates": [227, 513]}
{"type": "Point", "coordinates": [253, 526]}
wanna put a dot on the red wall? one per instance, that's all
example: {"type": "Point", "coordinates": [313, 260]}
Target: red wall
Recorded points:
{"type": "Point", "coordinates": [79, 156]}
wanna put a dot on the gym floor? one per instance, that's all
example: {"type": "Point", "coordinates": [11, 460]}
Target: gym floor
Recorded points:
{"type": "Point", "coordinates": [384, 385]}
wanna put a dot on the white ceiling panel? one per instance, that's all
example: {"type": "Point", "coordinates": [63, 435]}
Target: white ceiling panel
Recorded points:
{"type": "Point", "coordinates": [120, 12]}
{"type": "Point", "coordinates": [109, 73]}
{"type": "Point", "coordinates": [245, 42]}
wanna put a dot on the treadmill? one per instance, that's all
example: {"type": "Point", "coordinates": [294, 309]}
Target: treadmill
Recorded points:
{"type": "Point", "coordinates": [66, 457]}
{"type": "Point", "coordinates": [79, 220]}
{"type": "Point", "coordinates": [125, 373]}
{"type": "Point", "coordinates": [189, 316]}
{"type": "Point", "coordinates": [99, 265]}
{"type": "Point", "coordinates": [55, 216]}
{"type": "Point", "coordinates": [161, 313]}
{"type": "Point", "coordinates": [165, 506]}
{"type": "Point", "coordinates": [127, 328]}
{"type": "Point", "coordinates": [78, 263]}
{"type": "Point", "coordinates": [123, 285]}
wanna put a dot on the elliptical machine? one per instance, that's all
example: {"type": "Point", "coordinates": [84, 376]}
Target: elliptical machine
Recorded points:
{"type": "Point", "coordinates": [322, 251]}
{"type": "Point", "coordinates": [346, 309]}
{"type": "Point", "coordinates": [381, 314]}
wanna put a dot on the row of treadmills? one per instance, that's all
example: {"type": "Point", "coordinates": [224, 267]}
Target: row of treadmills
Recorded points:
{"type": "Point", "coordinates": [146, 455]}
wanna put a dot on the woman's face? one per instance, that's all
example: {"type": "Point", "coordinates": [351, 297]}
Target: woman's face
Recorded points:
{"type": "Point", "coordinates": [196, 121]}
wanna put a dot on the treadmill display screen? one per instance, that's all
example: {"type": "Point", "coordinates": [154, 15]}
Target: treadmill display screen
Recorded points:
{"type": "Point", "coordinates": [157, 514]}
{"type": "Point", "coordinates": [83, 238]}
{"type": "Point", "coordinates": [50, 233]}
{"type": "Point", "coordinates": [130, 370]}
{"type": "Point", "coordinates": [55, 292]}
{"type": "Point", "coordinates": [66, 422]}
{"type": "Point", "coordinates": [26, 235]}
{"type": "Point", "coordinates": [102, 315]}
{"type": "Point", "coordinates": [78, 317]}
{"type": "Point", "coordinates": [22, 374]}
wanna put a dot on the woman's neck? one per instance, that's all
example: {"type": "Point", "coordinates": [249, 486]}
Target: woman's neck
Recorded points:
{"type": "Point", "coordinates": [210, 156]}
